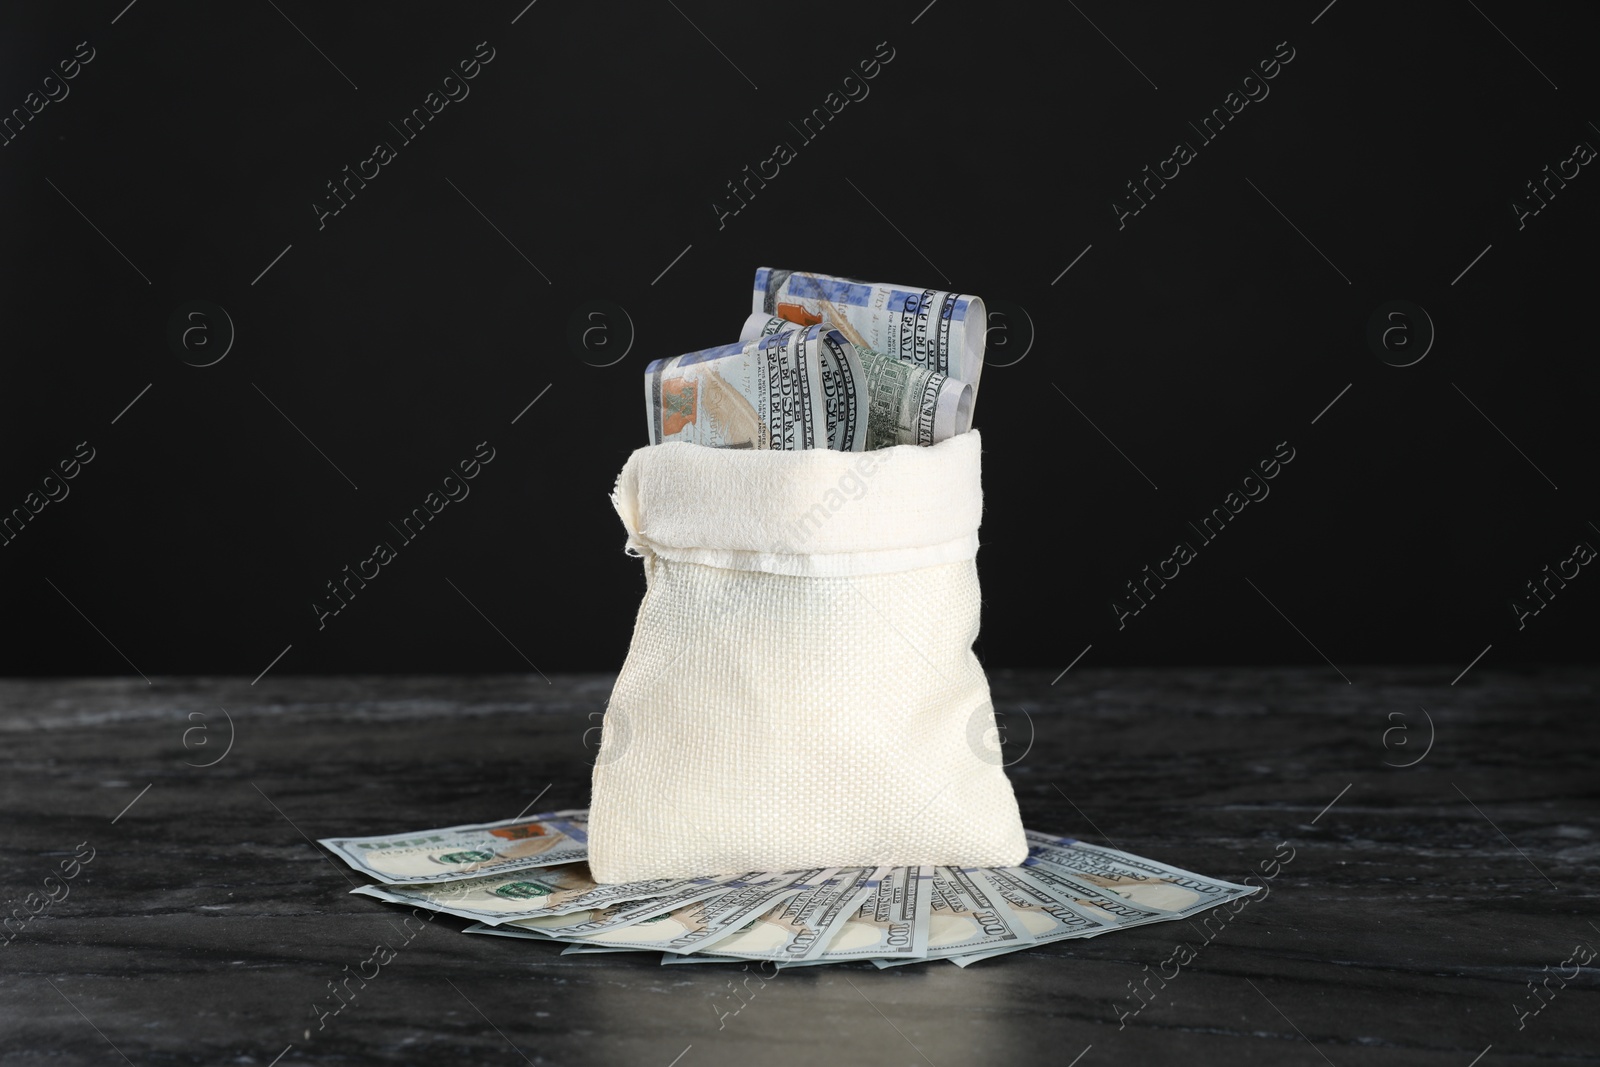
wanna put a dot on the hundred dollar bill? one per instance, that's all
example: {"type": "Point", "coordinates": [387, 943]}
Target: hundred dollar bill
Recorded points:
{"type": "Point", "coordinates": [845, 393]}
{"type": "Point", "coordinates": [528, 935]}
{"type": "Point", "coordinates": [800, 928]}
{"type": "Point", "coordinates": [759, 324]}
{"type": "Point", "coordinates": [1146, 883]}
{"type": "Point", "coordinates": [669, 958]}
{"type": "Point", "coordinates": [704, 923]}
{"type": "Point", "coordinates": [892, 922]}
{"type": "Point", "coordinates": [945, 331]}
{"type": "Point", "coordinates": [1092, 901]}
{"type": "Point", "coordinates": [583, 925]}
{"type": "Point", "coordinates": [523, 894]}
{"type": "Point", "coordinates": [912, 405]}
{"type": "Point", "coordinates": [1045, 915]}
{"type": "Point", "coordinates": [907, 404]}
{"type": "Point", "coordinates": [762, 394]}
{"type": "Point", "coordinates": [505, 931]}
{"type": "Point", "coordinates": [468, 851]}
{"type": "Point", "coordinates": [967, 916]}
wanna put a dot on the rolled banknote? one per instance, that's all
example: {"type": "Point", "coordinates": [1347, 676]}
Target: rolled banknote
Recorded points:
{"type": "Point", "coordinates": [945, 331]}
{"type": "Point", "coordinates": [1047, 917]}
{"type": "Point", "coordinates": [523, 894]}
{"type": "Point", "coordinates": [844, 387]}
{"type": "Point", "coordinates": [907, 404]}
{"type": "Point", "coordinates": [467, 851]}
{"type": "Point", "coordinates": [789, 392]}
{"type": "Point", "coordinates": [801, 928]}
{"type": "Point", "coordinates": [967, 916]}
{"type": "Point", "coordinates": [759, 324]}
{"type": "Point", "coordinates": [892, 922]}
{"type": "Point", "coordinates": [1147, 883]}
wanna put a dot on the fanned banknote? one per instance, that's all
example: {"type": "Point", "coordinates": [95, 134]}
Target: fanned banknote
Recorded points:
{"type": "Point", "coordinates": [967, 916]}
{"type": "Point", "coordinates": [892, 923]}
{"type": "Point", "coordinates": [705, 922]}
{"type": "Point", "coordinates": [586, 924]}
{"type": "Point", "coordinates": [1097, 903]}
{"type": "Point", "coordinates": [467, 851]}
{"type": "Point", "coordinates": [889, 916]}
{"type": "Point", "coordinates": [524, 894]}
{"type": "Point", "coordinates": [801, 927]}
{"type": "Point", "coordinates": [1046, 915]}
{"type": "Point", "coordinates": [1144, 882]}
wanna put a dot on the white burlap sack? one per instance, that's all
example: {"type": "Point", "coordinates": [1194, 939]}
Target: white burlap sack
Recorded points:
{"type": "Point", "coordinates": [801, 690]}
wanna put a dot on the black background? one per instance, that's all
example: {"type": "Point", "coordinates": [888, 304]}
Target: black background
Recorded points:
{"type": "Point", "coordinates": [989, 151]}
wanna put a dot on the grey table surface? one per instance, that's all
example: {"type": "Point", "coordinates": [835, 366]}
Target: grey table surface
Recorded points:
{"type": "Point", "coordinates": [1445, 842]}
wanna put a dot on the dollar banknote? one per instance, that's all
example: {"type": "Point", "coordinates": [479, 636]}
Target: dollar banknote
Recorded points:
{"type": "Point", "coordinates": [523, 894]}
{"type": "Point", "coordinates": [669, 959]}
{"type": "Point", "coordinates": [517, 932]}
{"type": "Point", "coordinates": [788, 391]}
{"type": "Point", "coordinates": [891, 923]}
{"type": "Point", "coordinates": [759, 324]}
{"type": "Point", "coordinates": [889, 916]}
{"type": "Point", "coordinates": [967, 916]}
{"type": "Point", "coordinates": [471, 850]}
{"type": "Point", "coordinates": [1044, 913]}
{"type": "Point", "coordinates": [801, 927]}
{"type": "Point", "coordinates": [945, 331]}
{"type": "Point", "coordinates": [1146, 883]}
{"type": "Point", "coordinates": [582, 925]}
{"type": "Point", "coordinates": [907, 403]}
{"type": "Point", "coordinates": [703, 923]}
{"type": "Point", "coordinates": [1101, 904]}
{"type": "Point", "coordinates": [844, 386]}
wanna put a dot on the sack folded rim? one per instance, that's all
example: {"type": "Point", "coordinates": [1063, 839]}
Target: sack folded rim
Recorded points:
{"type": "Point", "coordinates": [816, 513]}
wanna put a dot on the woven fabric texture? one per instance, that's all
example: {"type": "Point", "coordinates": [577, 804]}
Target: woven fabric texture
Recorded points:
{"type": "Point", "coordinates": [780, 721]}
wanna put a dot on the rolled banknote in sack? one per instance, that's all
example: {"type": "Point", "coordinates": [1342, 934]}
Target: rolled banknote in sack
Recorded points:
{"type": "Point", "coordinates": [945, 331]}
{"type": "Point", "coordinates": [845, 393]}
{"type": "Point", "coordinates": [907, 404]}
{"type": "Point", "coordinates": [797, 390]}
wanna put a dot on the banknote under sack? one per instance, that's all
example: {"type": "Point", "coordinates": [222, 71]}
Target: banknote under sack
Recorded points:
{"type": "Point", "coordinates": [527, 878]}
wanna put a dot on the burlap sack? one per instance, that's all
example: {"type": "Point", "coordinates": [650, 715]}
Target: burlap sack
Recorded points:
{"type": "Point", "coordinates": [801, 690]}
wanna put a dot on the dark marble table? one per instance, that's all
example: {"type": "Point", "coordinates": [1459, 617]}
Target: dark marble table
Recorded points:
{"type": "Point", "coordinates": [1419, 903]}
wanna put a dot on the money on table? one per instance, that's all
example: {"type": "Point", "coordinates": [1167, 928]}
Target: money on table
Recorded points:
{"type": "Point", "coordinates": [889, 916]}
{"type": "Point", "coordinates": [467, 851]}
{"type": "Point", "coordinates": [524, 894]}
